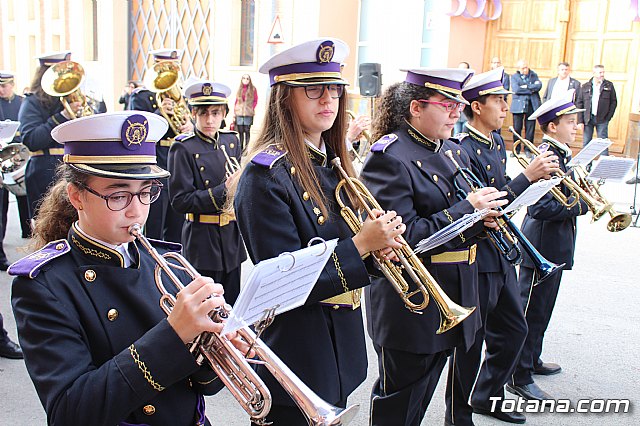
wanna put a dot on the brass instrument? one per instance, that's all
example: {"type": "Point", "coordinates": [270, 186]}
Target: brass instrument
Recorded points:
{"type": "Point", "coordinates": [451, 314]}
{"type": "Point", "coordinates": [63, 80]}
{"type": "Point", "coordinates": [231, 366]}
{"type": "Point", "coordinates": [590, 194]}
{"type": "Point", "coordinates": [13, 163]}
{"type": "Point", "coordinates": [361, 153]}
{"type": "Point", "coordinates": [508, 229]}
{"type": "Point", "coordinates": [163, 79]}
{"type": "Point", "coordinates": [231, 164]}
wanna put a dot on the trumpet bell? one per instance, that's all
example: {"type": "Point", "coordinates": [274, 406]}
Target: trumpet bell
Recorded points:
{"type": "Point", "coordinates": [619, 222]}
{"type": "Point", "coordinates": [62, 78]}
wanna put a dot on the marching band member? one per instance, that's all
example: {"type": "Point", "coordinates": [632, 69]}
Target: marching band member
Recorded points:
{"type": "Point", "coordinates": [503, 325]}
{"type": "Point", "coordinates": [407, 171]}
{"type": "Point", "coordinates": [39, 114]}
{"type": "Point", "coordinates": [198, 188]}
{"type": "Point", "coordinates": [285, 197]}
{"type": "Point", "coordinates": [97, 345]}
{"type": "Point", "coordinates": [164, 222]}
{"type": "Point", "coordinates": [551, 228]}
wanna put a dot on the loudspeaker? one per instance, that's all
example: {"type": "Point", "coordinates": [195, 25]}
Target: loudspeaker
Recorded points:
{"type": "Point", "coordinates": [369, 79]}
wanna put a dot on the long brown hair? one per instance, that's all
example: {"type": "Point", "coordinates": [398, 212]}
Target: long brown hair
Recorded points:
{"type": "Point", "coordinates": [251, 89]}
{"type": "Point", "coordinates": [49, 103]}
{"type": "Point", "coordinates": [393, 108]}
{"type": "Point", "coordinates": [55, 214]}
{"type": "Point", "coordinates": [281, 126]}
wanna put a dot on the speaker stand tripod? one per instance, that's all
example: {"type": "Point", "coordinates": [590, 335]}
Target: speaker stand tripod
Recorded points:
{"type": "Point", "coordinates": [635, 214]}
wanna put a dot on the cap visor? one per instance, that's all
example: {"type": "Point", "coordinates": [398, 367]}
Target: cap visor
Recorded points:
{"type": "Point", "coordinates": [457, 98]}
{"type": "Point", "coordinates": [123, 171]}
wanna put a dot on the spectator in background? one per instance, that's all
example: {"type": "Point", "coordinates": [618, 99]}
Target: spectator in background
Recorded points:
{"type": "Point", "coordinates": [459, 126]}
{"type": "Point", "coordinates": [525, 85]}
{"type": "Point", "coordinates": [497, 63]}
{"type": "Point", "coordinates": [126, 92]}
{"type": "Point", "coordinates": [598, 99]}
{"type": "Point", "coordinates": [244, 109]}
{"type": "Point", "coordinates": [559, 85]}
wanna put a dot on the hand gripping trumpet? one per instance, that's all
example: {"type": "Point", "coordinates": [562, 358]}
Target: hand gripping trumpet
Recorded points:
{"type": "Point", "coordinates": [590, 194]}
{"type": "Point", "coordinates": [231, 366]}
{"type": "Point", "coordinates": [451, 314]}
{"type": "Point", "coordinates": [231, 164]}
{"type": "Point", "coordinates": [361, 153]}
{"type": "Point", "coordinates": [544, 268]}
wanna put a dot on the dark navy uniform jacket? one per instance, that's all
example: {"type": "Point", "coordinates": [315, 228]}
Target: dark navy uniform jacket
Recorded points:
{"type": "Point", "coordinates": [410, 174]}
{"type": "Point", "coordinates": [323, 345]}
{"type": "Point", "coordinates": [35, 129]}
{"type": "Point", "coordinates": [488, 162]}
{"type": "Point", "coordinates": [96, 343]}
{"type": "Point", "coordinates": [9, 109]}
{"type": "Point", "coordinates": [196, 185]}
{"type": "Point", "coordinates": [549, 225]}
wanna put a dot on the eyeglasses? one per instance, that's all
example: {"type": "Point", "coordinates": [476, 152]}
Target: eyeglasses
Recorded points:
{"type": "Point", "coordinates": [121, 199]}
{"type": "Point", "coordinates": [448, 106]}
{"type": "Point", "coordinates": [317, 90]}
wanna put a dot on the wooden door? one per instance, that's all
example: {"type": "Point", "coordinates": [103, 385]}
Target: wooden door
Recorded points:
{"type": "Point", "coordinates": [581, 32]}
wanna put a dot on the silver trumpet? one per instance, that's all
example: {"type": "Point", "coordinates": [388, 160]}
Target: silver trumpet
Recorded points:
{"type": "Point", "coordinates": [231, 164]}
{"type": "Point", "coordinates": [231, 366]}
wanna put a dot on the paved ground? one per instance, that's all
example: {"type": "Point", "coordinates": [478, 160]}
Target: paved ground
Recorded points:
{"type": "Point", "coordinates": [594, 334]}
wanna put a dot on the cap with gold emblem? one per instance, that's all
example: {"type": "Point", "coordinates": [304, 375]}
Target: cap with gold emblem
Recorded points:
{"type": "Point", "coordinates": [6, 77]}
{"type": "Point", "coordinates": [486, 83]}
{"type": "Point", "coordinates": [555, 107]}
{"type": "Point", "coordinates": [51, 58]}
{"type": "Point", "coordinates": [166, 54]}
{"type": "Point", "coordinates": [446, 81]}
{"type": "Point", "coordinates": [206, 92]}
{"type": "Point", "coordinates": [119, 145]}
{"type": "Point", "coordinates": [312, 62]}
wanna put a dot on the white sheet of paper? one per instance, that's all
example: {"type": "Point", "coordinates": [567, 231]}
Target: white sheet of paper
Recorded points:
{"type": "Point", "coordinates": [8, 130]}
{"type": "Point", "coordinates": [284, 281]}
{"type": "Point", "coordinates": [450, 231]}
{"type": "Point", "coordinates": [589, 152]}
{"type": "Point", "coordinates": [611, 169]}
{"type": "Point", "coordinates": [532, 194]}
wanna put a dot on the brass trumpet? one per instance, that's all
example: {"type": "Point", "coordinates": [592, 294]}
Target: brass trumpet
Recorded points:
{"type": "Point", "coordinates": [231, 164]}
{"type": "Point", "coordinates": [590, 194]}
{"type": "Point", "coordinates": [451, 314]}
{"type": "Point", "coordinates": [63, 80]}
{"type": "Point", "coordinates": [231, 366]}
{"type": "Point", "coordinates": [163, 79]}
{"type": "Point", "coordinates": [544, 268]}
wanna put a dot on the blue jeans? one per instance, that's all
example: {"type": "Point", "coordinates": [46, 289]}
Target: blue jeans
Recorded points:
{"type": "Point", "coordinates": [602, 130]}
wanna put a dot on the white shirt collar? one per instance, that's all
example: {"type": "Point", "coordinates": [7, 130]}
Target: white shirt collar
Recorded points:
{"type": "Point", "coordinates": [562, 147]}
{"type": "Point", "coordinates": [123, 248]}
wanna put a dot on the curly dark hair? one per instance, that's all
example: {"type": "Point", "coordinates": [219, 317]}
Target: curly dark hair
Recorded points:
{"type": "Point", "coordinates": [393, 108]}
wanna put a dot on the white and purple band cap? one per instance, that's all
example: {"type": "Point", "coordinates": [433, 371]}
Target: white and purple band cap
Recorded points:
{"type": "Point", "coordinates": [166, 54]}
{"type": "Point", "coordinates": [312, 62]}
{"type": "Point", "coordinates": [446, 81]}
{"type": "Point", "coordinates": [555, 107]}
{"type": "Point", "coordinates": [486, 83]}
{"type": "Point", "coordinates": [206, 92]}
{"type": "Point", "coordinates": [6, 77]}
{"type": "Point", "coordinates": [52, 58]}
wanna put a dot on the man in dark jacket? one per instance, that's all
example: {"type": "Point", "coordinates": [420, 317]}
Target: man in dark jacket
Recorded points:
{"type": "Point", "coordinates": [557, 86]}
{"type": "Point", "coordinates": [525, 85]}
{"type": "Point", "coordinates": [598, 98]}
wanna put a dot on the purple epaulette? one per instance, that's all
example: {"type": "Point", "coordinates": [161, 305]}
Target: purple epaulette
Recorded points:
{"type": "Point", "coordinates": [183, 137]}
{"type": "Point", "coordinates": [167, 245]}
{"type": "Point", "coordinates": [382, 143]}
{"type": "Point", "coordinates": [269, 156]}
{"type": "Point", "coordinates": [30, 266]}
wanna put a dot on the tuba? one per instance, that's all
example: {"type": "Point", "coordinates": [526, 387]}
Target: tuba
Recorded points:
{"type": "Point", "coordinates": [590, 193]}
{"type": "Point", "coordinates": [451, 314]}
{"type": "Point", "coordinates": [231, 366]}
{"type": "Point", "coordinates": [508, 230]}
{"type": "Point", "coordinates": [63, 80]}
{"type": "Point", "coordinates": [163, 79]}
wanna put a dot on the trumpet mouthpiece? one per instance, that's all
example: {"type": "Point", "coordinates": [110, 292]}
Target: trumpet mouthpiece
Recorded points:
{"type": "Point", "coordinates": [336, 161]}
{"type": "Point", "coordinates": [135, 229]}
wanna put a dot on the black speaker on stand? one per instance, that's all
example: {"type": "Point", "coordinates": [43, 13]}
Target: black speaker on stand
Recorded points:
{"type": "Point", "coordinates": [369, 79]}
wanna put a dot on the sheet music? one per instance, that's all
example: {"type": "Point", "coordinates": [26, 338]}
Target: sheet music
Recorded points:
{"type": "Point", "coordinates": [283, 282]}
{"type": "Point", "coordinates": [8, 130]}
{"type": "Point", "coordinates": [450, 231]}
{"type": "Point", "coordinates": [532, 194]}
{"type": "Point", "coordinates": [589, 152]}
{"type": "Point", "coordinates": [611, 169]}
